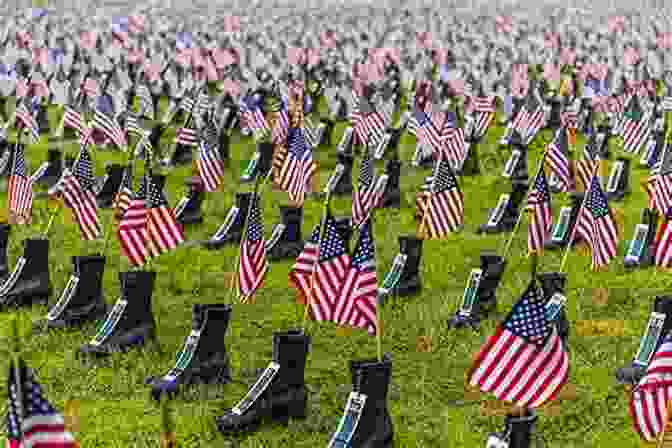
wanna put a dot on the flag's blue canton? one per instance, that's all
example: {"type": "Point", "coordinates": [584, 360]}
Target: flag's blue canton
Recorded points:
{"type": "Point", "coordinates": [541, 188]}
{"type": "Point", "coordinates": [297, 142]}
{"type": "Point", "coordinates": [332, 244]}
{"type": "Point", "coordinates": [156, 197]}
{"type": "Point", "coordinates": [451, 119]}
{"type": "Point", "coordinates": [36, 404]}
{"type": "Point", "coordinates": [421, 117]}
{"type": "Point", "coordinates": [256, 229]}
{"type": "Point", "coordinates": [315, 236]}
{"type": "Point", "coordinates": [444, 179]}
{"type": "Point", "coordinates": [20, 163]}
{"type": "Point", "coordinates": [364, 253]}
{"type": "Point", "coordinates": [597, 201]}
{"type": "Point", "coordinates": [142, 189]}
{"type": "Point", "coordinates": [366, 170]}
{"type": "Point", "coordinates": [528, 318]}
{"type": "Point", "coordinates": [84, 170]}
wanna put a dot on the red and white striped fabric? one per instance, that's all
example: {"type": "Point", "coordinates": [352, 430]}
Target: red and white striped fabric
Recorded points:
{"type": "Point", "coordinates": [136, 24]}
{"type": "Point", "coordinates": [224, 58]}
{"type": "Point", "coordinates": [24, 39]}
{"type": "Point", "coordinates": [567, 57]}
{"type": "Point", "coordinates": [503, 24]}
{"type": "Point", "coordinates": [87, 40]}
{"type": "Point", "coordinates": [231, 24]}
{"type": "Point", "coordinates": [183, 57]}
{"type": "Point", "coordinates": [40, 88]}
{"type": "Point", "coordinates": [40, 56]}
{"type": "Point", "coordinates": [135, 55]}
{"type": "Point", "coordinates": [328, 39]}
{"type": "Point", "coordinates": [152, 71]}
{"type": "Point", "coordinates": [648, 402]}
{"type": "Point", "coordinates": [22, 88]}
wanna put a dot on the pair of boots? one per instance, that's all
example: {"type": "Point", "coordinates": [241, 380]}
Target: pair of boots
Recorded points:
{"type": "Point", "coordinates": [188, 211]}
{"type": "Point", "coordinates": [280, 394]}
{"type": "Point", "coordinates": [633, 373]}
{"type": "Point", "coordinates": [504, 217]}
{"type": "Point", "coordinates": [286, 241]}
{"type": "Point", "coordinates": [517, 170]}
{"type": "Point", "coordinates": [646, 255]}
{"type": "Point", "coordinates": [29, 283]}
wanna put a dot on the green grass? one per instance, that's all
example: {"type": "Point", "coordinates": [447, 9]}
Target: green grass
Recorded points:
{"type": "Point", "coordinates": [115, 407]}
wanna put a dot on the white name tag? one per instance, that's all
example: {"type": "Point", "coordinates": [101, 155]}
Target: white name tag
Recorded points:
{"type": "Point", "coordinates": [470, 292]}
{"type": "Point", "coordinates": [498, 212]}
{"type": "Point", "coordinates": [637, 243]}
{"type": "Point", "coordinates": [65, 298]}
{"type": "Point", "coordinates": [349, 421]}
{"type": "Point", "coordinates": [259, 387]}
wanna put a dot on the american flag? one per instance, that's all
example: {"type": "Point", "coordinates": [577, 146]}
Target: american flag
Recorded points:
{"type": "Point", "coordinates": [636, 130]}
{"type": "Point", "coordinates": [132, 231]}
{"type": "Point", "coordinates": [596, 226]}
{"type": "Point", "coordinates": [252, 115]}
{"type": "Point", "coordinates": [187, 136]}
{"type": "Point", "coordinates": [356, 305]}
{"type": "Point", "coordinates": [123, 198]}
{"type": "Point", "coordinates": [26, 120]}
{"type": "Point", "coordinates": [484, 112]}
{"type": "Point", "coordinates": [368, 124]}
{"type": "Point", "coordinates": [365, 199]}
{"type": "Point", "coordinates": [110, 128]}
{"type": "Point", "coordinates": [663, 256]}
{"type": "Point", "coordinates": [558, 160]}
{"type": "Point", "coordinates": [444, 205]}
{"type": "Point", "coordinates": [426, 130]}
{"type": "Point", "coordinates": [253, 265]}
{"type": "Point", "coordinates": [649, 400]}
{"type": "Point", "coordinates": [73, 119]}
{"type": "Point", "coordinates": [210, 167]}
{"type": "Point", "coordinates": [31, 419]}
{"type": "Point", "coordinates": [163, 230]}
{"type": "Point", "coordinates": [77, 187]}
{"type": "Point", "coordinates": [454, 144]}
{"type": "Point", "coordinates": [529, 119]}
{"type": "Point", "coordinates": [660, 195]}
{"type": "Point", "coordinates": [302, 271]}
{"type": "Point", "coordinates": [20, 189]}
{"type": "Point", "coordinates": [332, 267]}
{"type": "Point", "coordinates": [539, 204]}
{"type": "Point", "coordinates": [299, 166]}
{"type": "Point", "coordinates": [524, 362]}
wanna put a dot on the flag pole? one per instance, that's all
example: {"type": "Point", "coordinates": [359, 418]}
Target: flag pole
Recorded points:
{"type": "Point", "coordinates": [540, 168]}
{"type": "Point", "coordinates": [18, 382]}
{"type": "Point", "coordinates": [571, 239]}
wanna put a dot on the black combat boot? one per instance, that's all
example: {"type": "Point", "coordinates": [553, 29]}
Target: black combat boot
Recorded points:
{"type": "Point", "coordinates": [344, 185]}
{"type": "Point", "coordinates": [286, 240]}
{"type": "Point", "coordinates": [5, 230]}
{"type": "Point", "coordinates": [29, 282]}
{"type": "Point", "coordinates": [328, 132]}
{"type": "Point", "coordinates": [42, 119]}
{"type": "Point", "coordinates": [410, 280]}
{"type": "Point", "coordinates": [203, 358]}
{"type": "Point", "coordinates": [231, 232]}
{"type": "Point", "coordinates": [224, 147]}
{"type": "Point", "coordinates": [519, 430]}
{"type": "Point", "coordinates": [485, 302]}
{"type": "Point", "coordinates": [344, 227]}
{"type": "Point", "coordinates": [130, 324]}
{"type": "Point", "coordinates": [510, 214]}
{"type": "Point", "coordinates": [183, 155]}
{"type": "Point", "coordinates": [110, 185]}
{"type": "Point", "coordinates": [69, 161]}
{"type": "Point", "coordinates": [648, 249]}
{"type": "Point", "coordinates": [552, 283]}
{"type": "Point", "coordinates": [566, 228]}
{"type": "Point", "coordinates": [633, 373]}
{"type": "Point", "coordinates": [622, 186]}
{"type": "Point", "coordinates": [392, 195]}
{"type": "Point", "coordinates": [281, 391]}
{"type": "Point", "coordinates": [82, 299]}
{"type": "Point", "coordinates": [189, 210]}
{"type": "Point", "coordinates": [54, 169]}
{"type": "Point", "coordinates": [520, 172]}
{"type": "Point", "coordinates": [261, 164]}
{"type": "Point", "coordinates": [471, 165]}
{"type": "Point", "coordinates": [368, 399]}
{"type": "Point", "coordinates": [155, 135]}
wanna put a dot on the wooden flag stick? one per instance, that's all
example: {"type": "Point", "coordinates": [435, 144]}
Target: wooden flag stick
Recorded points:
{"type": "Point", "coordinates": [18, 382]}
{"type": "Point", "coordinates": [540, 167]}
{"type": "Point", "coordinates": [571, 238]}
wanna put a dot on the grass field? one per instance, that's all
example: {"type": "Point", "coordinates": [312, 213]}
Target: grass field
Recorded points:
{"type": "Point", "coordinates": [427, 400]}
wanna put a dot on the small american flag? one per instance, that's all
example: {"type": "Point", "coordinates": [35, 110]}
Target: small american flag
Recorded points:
{"type": "Point", "coordinates": [558, 161]}
{"type": "Point", "coordinates": [298, 167]}
{"type": "Point", "coordinates": [636, 130]}
{"type": "Point", "coordinates": [186, 136]}
{"type": "Point", "coordinates": [368, 124]}
{"type": "Point", "coordinates": [27, 121]}
{"type": "Point", "coordinates": [253, 265]}
{"type": "Point", "coordinates": [132, 232]}
{"type": "Point", "coordinates": [33, 421]}
{"type": "Point", "coordinates": [332, 267]}
{"type": "Point", "coordinates": [427, 130]}
{"type": "Point", "coordinates": [356, 305]}
{"type": "Point", "coordinates": [649, 400]}
{"type": "Point", "coordinates": [231, 24]}
{"type": "Point", "coordinates": [73, 119]}
{"type": "Point", "coordinates": [484, 112]}
{"type": "Point", "coordinates": [77, 187]}
{"type": "Point", "coordinates": [123, 199]}
{"type": "Point", "coordinates": [663, 256]}
{"type": "Point", "coordinates": [524, 362]}
{"type": "Point", "coordinates": [210, 167]}
{"type": "Point", "coordinates": [164, 232]}
{"type": "Point", "coordinates": [365, 199]}
{"type": "Point", "coordinates": [110, 128]}
{"type": "Point", "coordinates": [302, 271]}
{"type": "Point", "coordinates": [596, 226]}
{"type": "Point", "coordinates": [444, 205]}
{"type": "Point", "coordinates": [20, 190]}
{"type": "Point", "coordinates": [539, 204]}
